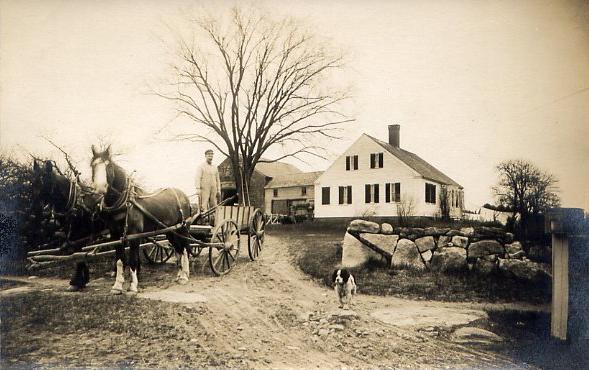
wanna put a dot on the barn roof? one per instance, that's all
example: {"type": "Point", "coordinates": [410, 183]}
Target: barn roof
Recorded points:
{"type": "Point", "coordinates": [294, 179]}
{"type": "Point", "coordinates": [418, 164]}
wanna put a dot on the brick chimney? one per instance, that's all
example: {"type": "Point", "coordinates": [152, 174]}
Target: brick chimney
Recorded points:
{"type": "Point", "coordinates": [394, 135]}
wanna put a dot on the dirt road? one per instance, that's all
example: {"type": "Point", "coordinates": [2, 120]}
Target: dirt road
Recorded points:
{"type": "Point", "coordinates": [263, 314]}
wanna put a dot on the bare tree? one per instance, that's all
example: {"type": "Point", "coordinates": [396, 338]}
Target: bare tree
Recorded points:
{"type": "Point", "coordinates": [444, 203]}
{"type": "Point", "coordinates": [254, 84]}
{"type": "Point", "coordinates": [525, 189]}
{"type": "Point", "coordinates": [405, 209]}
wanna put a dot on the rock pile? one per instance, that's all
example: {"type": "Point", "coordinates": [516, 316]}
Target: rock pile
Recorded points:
{"type": "Point", "coordinates": [483, 249]}
{"type": "Point", "coordinates": [323, 324]}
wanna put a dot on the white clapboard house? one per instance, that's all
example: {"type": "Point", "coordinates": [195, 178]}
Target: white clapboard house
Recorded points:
{"type": "Point", "coordinates": [375, 178]}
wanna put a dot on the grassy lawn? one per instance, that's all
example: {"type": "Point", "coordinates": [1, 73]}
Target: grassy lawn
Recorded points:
{"type": "Point", "coordinates": [317, 251]}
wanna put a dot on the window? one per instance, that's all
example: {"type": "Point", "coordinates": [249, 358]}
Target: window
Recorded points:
{"type": "Point", "coordinates": [325, 195]}
{"type": "Point", "coordinates": [351, 162]}
{"type": "Point", "coordinates": [345, 195]}
{"type": "Point", "coordinates": [393, 192]}
{"type": "Point", "coordinates": [430, 193]}
{"type": "Point", "coordinates": [304, 190]}
{"type": "Point", "coordinates": [275, 193]}
{"type": "Point", "coordinates": [376, 160]}
{"type": "Point", "coordinates": [371, 193]}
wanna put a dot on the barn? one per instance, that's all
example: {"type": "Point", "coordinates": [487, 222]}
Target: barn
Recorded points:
{"type": "Point", "coordinates": [292, 193]}
{"type": "Point", "coordinates": [263, 174]}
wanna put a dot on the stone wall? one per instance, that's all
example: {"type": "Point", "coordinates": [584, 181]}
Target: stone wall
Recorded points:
{"type": "Point", "coordinates": [485, 250]}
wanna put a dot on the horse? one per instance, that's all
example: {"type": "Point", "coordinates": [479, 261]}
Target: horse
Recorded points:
{"type": "Point", "coordinates": [73, 206]}
{"type": "Point", "coordinates": [128, 209]}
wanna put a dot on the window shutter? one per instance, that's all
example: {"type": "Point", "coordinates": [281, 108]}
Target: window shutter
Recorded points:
{"type": "Point", "coordinates": [387, 192]}
{"type": "Point", "coordinates": [325, 195]}
{"type": "Point", "coordinates": [355, 162]}
{"type": "Point", "coordinates": [427, 193]}
{"type": "Point", "coordinates": [397, 192]}
{"type": "Point", "coordinates": [434, 201]}
{"type": "Point", "coordinates": [347, 163]}
{"type": "Point", "coordinates": [341, 195]}
{"type": "Point", "coordinates": [367, 193]}
{"type": "Point", "coordinates": [372, 160]}
{"type": "Point", "coordinates": [380, 160]}
{"type": "Point", "coordinates": [349, 194]}
{"type": "Point", "coordinates": [376, 195]}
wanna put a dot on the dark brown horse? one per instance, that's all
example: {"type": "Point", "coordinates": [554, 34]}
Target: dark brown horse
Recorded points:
{"type": "Point", "coordinates": [73, 206]}
{"type": "Point", "coordinates": [127, 209]}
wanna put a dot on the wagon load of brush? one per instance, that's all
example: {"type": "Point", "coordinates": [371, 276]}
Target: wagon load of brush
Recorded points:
{"type": "Point", "coordinates": [217, 229]}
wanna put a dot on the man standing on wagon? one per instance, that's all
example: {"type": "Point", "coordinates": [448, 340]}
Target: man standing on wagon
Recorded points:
{"type": "Point", "coordinates": [207, 183]}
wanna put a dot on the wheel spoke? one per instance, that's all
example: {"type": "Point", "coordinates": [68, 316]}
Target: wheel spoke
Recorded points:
{"type": "Point", "coordinates": [218, 259]}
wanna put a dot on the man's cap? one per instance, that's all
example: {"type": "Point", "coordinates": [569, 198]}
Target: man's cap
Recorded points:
{"type": "Point", "coordinates": [209, 151]}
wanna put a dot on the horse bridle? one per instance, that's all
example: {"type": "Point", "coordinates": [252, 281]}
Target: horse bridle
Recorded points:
{"type": "Point", "coordinates": [124, 195]}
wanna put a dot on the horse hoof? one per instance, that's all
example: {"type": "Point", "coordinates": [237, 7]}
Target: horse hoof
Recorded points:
{"type": "Point", "coordinates": [116, 291]}
{"type": "Point", "coordinates": [131, 293]}
{"type": "Point", "coordinates": [73, 288]}
{"type": "Point", "coordinates": [183, 281]}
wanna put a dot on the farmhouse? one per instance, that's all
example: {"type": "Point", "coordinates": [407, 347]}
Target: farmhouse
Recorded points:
{"type": "Point", "coordinates": [264, 172]}
{"type": "Point", "coordinates": [290, 193]}
{"type": "Point", "coordinates": [377, 178]}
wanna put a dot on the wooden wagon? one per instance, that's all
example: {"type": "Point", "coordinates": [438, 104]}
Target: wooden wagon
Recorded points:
{"type": "Point", "coordinates": [222, 240]}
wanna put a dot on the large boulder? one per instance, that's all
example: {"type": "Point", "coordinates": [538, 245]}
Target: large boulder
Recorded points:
{"type": "Point", "coordinates": [386, 229]}
{"type": "Point", "coordinates": [484, 248]}
{"type": "Point", "coordinates": [403, 232]}
{"type": "Point", "coordinates": [384, 242]}
{"type": "Point", "coordinates": [525, 270]}
{"type": "Point", "coordinates": [467, 231]}
{"type": "Point", "coordinates": [485, 232]}
{"type": "Point", "coordinates": [427, 256]}
{"type": "Point", "coordinates": [363, 226]}
{"type": "Point", "coordinates": [514, 247]}
{"type": "Point", "coordinates": [477, 336]}
{"type": "Point", "coordinates": [435, 231]}
{"type": "Point", "coordinates": [407, 255]}
{"type": "Point", "coordinates": [417, 231]}
{"type": "Point", "coordinates": [426, 243]}
{"type": "Point", "coordinates": [460, 241]}
{"type": "Point", "coordinates": [452, 232]}
{"type": "Point", "coordinates": [449, 259]}
{"type": "Point", "coordinates": [355, 253]}
{"type": "Point", "coordinates": [443, 241]}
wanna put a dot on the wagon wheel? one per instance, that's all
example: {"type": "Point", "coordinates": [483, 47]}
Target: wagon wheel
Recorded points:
{"type": "Point", "coordinates": [158, 253]}
{"type": "Point", "coordinates": [255, 239]}
{"type": "Point", "coordinates": [222, 259]}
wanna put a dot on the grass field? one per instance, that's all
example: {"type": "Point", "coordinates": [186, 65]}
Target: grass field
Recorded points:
{"type": "Point", "coordinates": [317, 251]}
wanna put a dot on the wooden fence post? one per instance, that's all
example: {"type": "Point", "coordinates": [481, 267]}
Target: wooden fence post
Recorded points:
{"type": "Point", "coordinates": [560, 286]}
{"type": "Point", "coordinates": [562, 222]}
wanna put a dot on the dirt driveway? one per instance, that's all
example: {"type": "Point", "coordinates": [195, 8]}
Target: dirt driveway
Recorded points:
{"type": "Point", "coordinates": [263, 314]}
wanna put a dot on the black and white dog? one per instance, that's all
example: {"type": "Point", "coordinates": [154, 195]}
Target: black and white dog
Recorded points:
{"type": "Point", "coordinates": [344, 286]}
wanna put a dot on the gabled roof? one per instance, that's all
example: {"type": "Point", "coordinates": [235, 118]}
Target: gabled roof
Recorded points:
{"type": "Point", "coordinates": [294, 179]}
{"type": "Point", "coordinates": [273, 169]}
{"type": "Point", "coordinates": [270, 169]}
{"type": "Point", "coordinates": [425, 169]}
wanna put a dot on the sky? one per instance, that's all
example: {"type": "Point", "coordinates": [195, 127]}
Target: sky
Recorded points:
{"type": "Point", "coordinates": [472, 83]}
